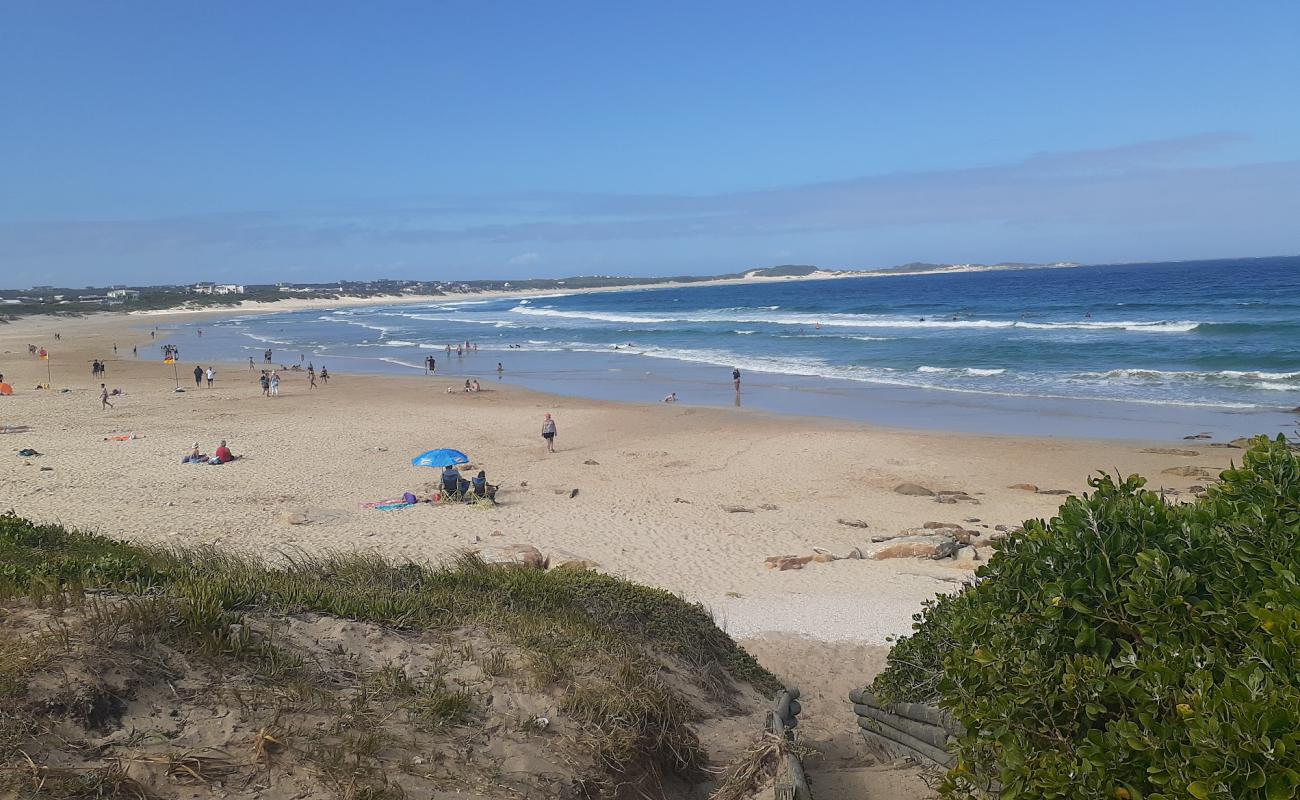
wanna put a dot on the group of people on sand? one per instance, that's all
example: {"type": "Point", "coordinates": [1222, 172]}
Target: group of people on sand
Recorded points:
{"type": "Point", "coordinates": [455, 487]}
{"type": "Point", "coordinates": [98, 369]}
{"type": "Point", "coordinates": [221, 456]}
{"type": "Point", "coordinates": [200, 373]}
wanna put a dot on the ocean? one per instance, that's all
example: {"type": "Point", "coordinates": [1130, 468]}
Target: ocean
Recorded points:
{"type": "Point", "coordinates": [1117, 350]}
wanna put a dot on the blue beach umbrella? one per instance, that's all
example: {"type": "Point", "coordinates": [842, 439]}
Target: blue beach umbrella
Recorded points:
{"type": "Point", "coordinates": [440, 458]}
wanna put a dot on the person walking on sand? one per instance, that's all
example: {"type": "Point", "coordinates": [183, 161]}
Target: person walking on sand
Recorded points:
{"type": "Point", "coordinates": [198, 376]}
{"type": "Point", "coordinates": [210, 374]}
{"type": "Point", "coordinates": [103, 398]}
{"type": "Point", "coordinates": [548, 433]}
{"type": "Point", "coordinates": [735, 378]}
{"type": "Point", "coordinates": [275, 384]}
{"type": "Point", "coordinates": [250, 364]}
{"type": "Point", "coordinates": [135, 351]}
{"type": "Point", "coordinates": [311, 376]}
{"type": "Point", "coordinates": [266, 384]}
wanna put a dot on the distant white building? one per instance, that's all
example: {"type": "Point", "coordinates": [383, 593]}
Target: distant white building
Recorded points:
{"type": "Point", "coordinates": [217, 288]}
{"type": "Point", "coordinates": [123, 294]}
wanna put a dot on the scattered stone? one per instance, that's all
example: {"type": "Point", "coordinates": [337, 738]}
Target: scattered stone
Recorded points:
{"type": "Point", "coordinates": [47, 469]}
{"type": "Point", "coordinates": [1225, 445]}
{"type": "Point", "coordinates": [1028, 487]}
{"type": "Point", "coordinates": [1187, 472]}
{"type": "Point", "coordinates": [573, 494]}
{"type": "Point", "coordinates": [734, 594]}
{"type": "Point", "coordinates": [938, 526]}
{"type": "Point", "coordinates": [298, 517]}
{"type": "Point", "coordinates": [1199, 436]}
{"type": "Point", "coordinates": [853, 523]}
{"type": "Point", "coordinates": [738, 509]}
{"type": "Point", "coordinates": [1196, 489]}
{"type": "Point", "coordinates": [1170, 451]}
{"type": "Point", "coordinates": [913, 490]}
{"type": "Point", "coordinates": [909, 547]}
{"type": "Point", "coordinates": [680, 500]}
{"type": "Point", "coordinates": [768, 507]}
{"type": "Point", "coordinates": [1054, 491]}
{"type": "Point", "coordinates": [971, 519]}
{"type": "Point", "coordinates": [1001, 528]}
{"type": "Point", "coordinates": [524, 484]}
{"type": "Point", "coordinates": [591, 462]}
{"type": "Point", "coordinates": [818, 556]}
{"type": "Point", "coordinates": [951, 498]}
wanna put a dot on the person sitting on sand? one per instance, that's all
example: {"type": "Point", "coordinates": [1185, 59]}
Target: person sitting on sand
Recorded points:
{"type": "Point", "coordinates": [671, 398]}
{"type": "Point", "coordinates": [223, 454]}
{"type": "Point", "coordinates": [194, 456]}
{"type": "Point", "coordinates": [481, 488]}
{"type": "Point", "coordinates": [474, 387]}
{"type": "Point", "coordinates": [452, 484]}
{"type": "Point", "coordinates": [467, 385]}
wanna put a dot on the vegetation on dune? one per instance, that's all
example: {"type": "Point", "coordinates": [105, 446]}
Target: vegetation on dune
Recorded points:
{"type": "Point", "coordinates": [1129, 648]}
{"type": "Point", "coordinates": [629, 666]}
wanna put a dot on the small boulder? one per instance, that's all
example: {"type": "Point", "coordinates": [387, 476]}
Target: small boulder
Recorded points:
{"type": "Point", "coordinates": [967, 558]}
{"type": "Point", "coordinates": [853, 523]}
{"type": "Point", "coordinates": [938, 526]}
{"type": "Point", "coordinates": [738, 509]}
{"type": "Point", "coordinates": [908, 547]}
{"type": "Point", "coordinates": [563, 559]}
{"type": "Point", "coordinates": [1054, 491]}
{"type": "Point", "coordinates": [516, 555]}
{"type": "Point", "coordinates": [913, 490]}
{"type": "Point", "coordinates": [1028, 487]}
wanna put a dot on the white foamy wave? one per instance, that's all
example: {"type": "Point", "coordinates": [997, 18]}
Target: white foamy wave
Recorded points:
{"type": "Point", "coordinates": [974, 372]}
{"type": "Point", "coordinates": [859, 321]}
{"type": "Point", "coordinates": [1272, 379]}
{"type": "Point", "coordinates": [746, 333]}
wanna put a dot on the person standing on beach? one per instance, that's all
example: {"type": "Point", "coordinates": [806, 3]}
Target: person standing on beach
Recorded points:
{"type": "Point", "coordinates": [275, 384]}
{"type": "Point", "coordinates": [103, 398]}
{"type": "Point", "coordinates": [210, 374]}
{"type": "Point", "coordinates": [250, 363]}
{"type": "Point", "coordinates": [135, 351]}
{"type": "Point", "coordinates": [198, 376]}
{"type": "Point", "coordinates": [311, 376]}
{"type": "Point", "coordinates": [324, 374]}
{"type": "Point", "coordinates": [735, 378]}
{"type": "Point", "coordinates": [266, 384]}
{"type": "Point", "coordinates": [548, 433]}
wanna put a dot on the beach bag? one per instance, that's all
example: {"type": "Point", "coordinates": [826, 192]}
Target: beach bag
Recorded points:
{"type": "Point", "coordinates": [409, 498]}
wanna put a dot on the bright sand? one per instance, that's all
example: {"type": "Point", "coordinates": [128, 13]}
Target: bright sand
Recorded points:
{"type": "Point", "coordinates": [652, 481]}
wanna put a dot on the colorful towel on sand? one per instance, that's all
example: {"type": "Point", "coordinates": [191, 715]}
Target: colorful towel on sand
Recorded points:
{"type": "Point", "coordinates": [392, 506]}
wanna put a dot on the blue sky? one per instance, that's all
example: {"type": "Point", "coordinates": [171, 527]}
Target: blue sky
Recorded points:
{"type": "Point", "coordinates": [170, 142]}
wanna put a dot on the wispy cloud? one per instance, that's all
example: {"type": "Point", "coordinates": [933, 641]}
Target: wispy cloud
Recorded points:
{"type": "Point", "coordinates": [1162, 186]}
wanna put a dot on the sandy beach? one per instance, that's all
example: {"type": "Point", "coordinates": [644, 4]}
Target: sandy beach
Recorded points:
{"type": "Point", "coordinates": [689, 499]}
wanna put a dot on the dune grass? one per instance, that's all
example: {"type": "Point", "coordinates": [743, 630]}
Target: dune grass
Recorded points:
{"type": "Point", "coordinates": [597, 641]}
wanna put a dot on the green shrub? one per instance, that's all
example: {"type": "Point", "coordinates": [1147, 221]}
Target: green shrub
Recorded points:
{"type": "Point", "coordinates": [1128, 648]}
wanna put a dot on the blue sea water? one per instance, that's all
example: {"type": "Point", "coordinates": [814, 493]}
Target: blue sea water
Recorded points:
{"type": "Point", "coordinates": [1172, 344]}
